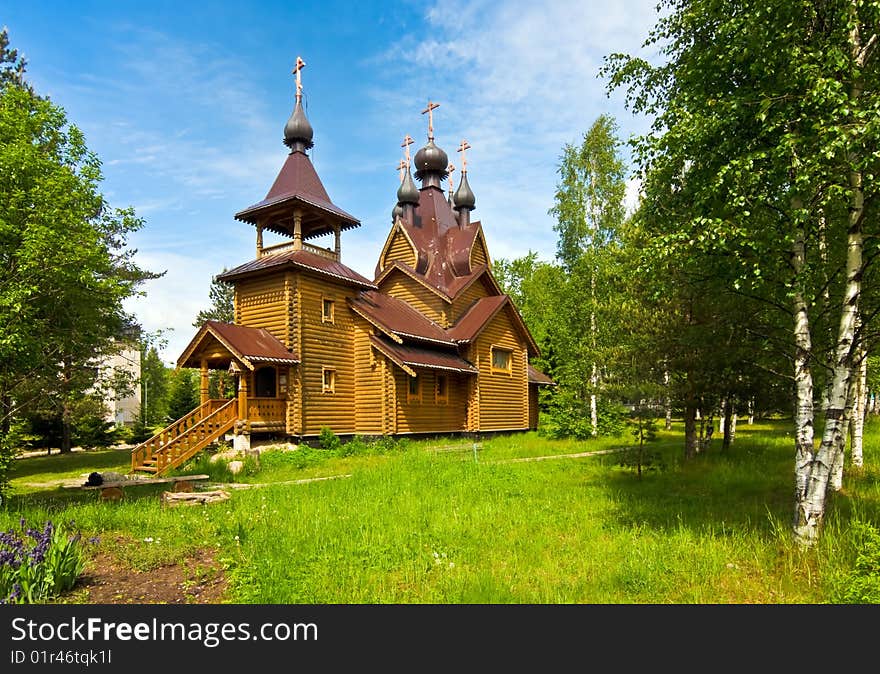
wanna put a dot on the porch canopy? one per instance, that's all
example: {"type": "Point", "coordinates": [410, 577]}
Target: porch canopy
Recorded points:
{"type": "Point", "coordinates": [219, 344]}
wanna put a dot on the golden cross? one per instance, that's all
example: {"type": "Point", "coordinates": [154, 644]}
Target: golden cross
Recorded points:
{"type": "Point", "coordinates": [461, 148]}
{"type": "Point", "coordinates": [300, 64]}
{"type": "Point", "coordinates": [407, 141]}
{"type": "Point", "coordinates": [430, 110]}
{"type": "Point", "coordinates": [401, 166]}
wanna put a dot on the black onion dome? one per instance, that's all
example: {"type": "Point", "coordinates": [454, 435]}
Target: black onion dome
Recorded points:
{"type": "Point", "coordinates": [396, 212]}
{"type": "Point", "coordinates": [464, 196]}
{"type": "Point", "coordinates": [298, 130]}
{"type": "Point", "coordinates": [431, 159]}
{"type": "Point", "coordinates": [407, 193]}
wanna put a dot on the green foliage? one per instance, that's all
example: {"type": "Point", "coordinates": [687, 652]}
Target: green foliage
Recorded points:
{"type": "Point", "coordinates": [12, 64]}
{"type": "Point", "coordinates": [862, 584]}
{"type": "Point", "coordinates": [154, 385]}
{"type": "Point", "coordinates": [183, 393]}
{"type": "Point", "coordinates": [65, 268]}
{"type": "Point", "coordinates": [642, 425]}
{"type": "Point", "coordinates": [37, 565]}
{"type": "Point", "coordinates": [328, 439]}
{"type": "Point", "coordinates": [222, 296]}
{"type": "Point", "coordinates": [568, 416]}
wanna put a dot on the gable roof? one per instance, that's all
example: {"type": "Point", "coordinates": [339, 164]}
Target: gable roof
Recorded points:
{"type": "Point", "coordinates": [300, 259]}
{"type": "Point", "coordinates": [475, 320]}
{"type": "Point", "coordinates": [247, 345]}
{"type": "Point", "coordinates": [408, 357]}
{"type": "Point", "coordinates": [538, 377]}
{"type": "Point", "coordinates": [397, 319]}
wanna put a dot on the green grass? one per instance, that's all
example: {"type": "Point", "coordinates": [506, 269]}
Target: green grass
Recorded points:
{"type": "Point", "coordinates": [435, 521]}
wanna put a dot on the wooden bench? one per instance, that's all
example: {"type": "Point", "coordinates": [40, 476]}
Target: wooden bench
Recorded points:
{"type": "Point", "coordinates": [113, 491]}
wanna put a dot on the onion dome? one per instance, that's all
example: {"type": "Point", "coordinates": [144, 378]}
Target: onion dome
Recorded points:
{"type": "Point", "coordinates": [298, 132]}
{"type": "Point", "coordinates": [464, 196]}
{"type": "Point", "coordinates": [431, 160]}
{"type": "Point", "coordinates": [407, 193]}
{"type": "Point", "coordinates": [396, 212]}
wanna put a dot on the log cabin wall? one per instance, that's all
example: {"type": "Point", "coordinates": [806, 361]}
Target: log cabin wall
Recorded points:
{"type": "Point", "coordinates": [326, 346]}
{"type": "Point", "coordinates": [419, 297]}
{"type": "Point", "coordinates": [463, 302]}
{"type": "Point", "coordinates": [399, 248]}
{"type": "Point", "coordinates": [478, 253]}
{"type": "Point", "coordinates": [427, 415]}
{"type": "Point", "coordinates": [503, 396]}
{"type": "Point", "coordinates": [263, 303]}
{"type": "Point", "coordinates": [533, 406]}
{"type": "Point", "coordinates": [369, 392]}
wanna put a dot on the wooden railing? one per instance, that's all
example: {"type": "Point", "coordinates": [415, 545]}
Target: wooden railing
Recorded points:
{"type": "Point", "coordinates": [289, 245]}
{"type": "Point", "coordinates": [266, 409]}
{"type": "Point", "coordinates": [193, 425]}
{"type": "Point", "coordinates": [277, 248]}
{"type": "Point", "coordinates": [198, 437]}
{"type": "Point", "coordinates": [323, 252]}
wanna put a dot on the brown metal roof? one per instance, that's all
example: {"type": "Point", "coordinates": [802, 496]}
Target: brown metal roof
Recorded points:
{"type": "Point", "coordinates": [250, 345]}
{"type": "Point", "coordinates": [297, 182]}
{"type": "Point", "coordinates": [477, 317]}
{"type": "Point", "coordinates": [481, 312]}
{"type": "Point", "coordinates": [409, 357]}
{"type": "Point", "coordinates": [538, 377]}
{"type": "Point", "coordinates": [395, 317]}
{"type": "Point", "coordinates": [301, 259]}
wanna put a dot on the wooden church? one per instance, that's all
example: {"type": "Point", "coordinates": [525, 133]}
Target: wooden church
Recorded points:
{"type": "Point", "coordinates": [430, 345]}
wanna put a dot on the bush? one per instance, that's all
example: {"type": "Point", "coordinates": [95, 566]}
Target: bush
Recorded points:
{"type": "Point", "coordinates": [568, 416]}
{"type": "Point", "coordinates": [862, 584]}
{"type": "Point", "coordinates": [36, 565]}
{"type": "Point", "coordinates": [328, 439]}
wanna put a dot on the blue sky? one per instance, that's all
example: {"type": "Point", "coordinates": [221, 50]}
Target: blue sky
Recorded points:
{"type": "Point", "coordinates": [185, 105]}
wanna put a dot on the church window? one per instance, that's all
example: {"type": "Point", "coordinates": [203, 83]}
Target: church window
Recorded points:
{"type": "Point", "coordinates": [327, 310]}
{"type": "Point", "coordinates": [501, 360]}
{"type": "Point", "coordinates": [414, 392]}
{"type": "Point", "coordinates": [329, 385]}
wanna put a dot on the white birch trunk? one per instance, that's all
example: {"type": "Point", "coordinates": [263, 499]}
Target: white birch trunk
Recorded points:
{"type": "Point", "coordinates": [811, 501]}
{"type": "Point", "coordinates": [751, 411]}
{"type": "Point", "coordinates": [803, 376]}
{"type": "Point", "coordinates": [836, 480]}
{"type": "Point", "coordinates": [859, 411]}
{"type": "Point", "coordinates": [667, 402]}
{"type": "Point", "coordinates": [733, 427]}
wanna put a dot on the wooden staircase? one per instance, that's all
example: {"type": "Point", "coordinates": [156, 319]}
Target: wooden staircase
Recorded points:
{"type": "Point", "coordinates": [185, 438]}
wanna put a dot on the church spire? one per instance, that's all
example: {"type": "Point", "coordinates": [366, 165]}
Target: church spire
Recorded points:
{"type": "Point", "coordinates": [298, 132]}
{"type": "Point", "coordinates": [464, 196]}
{"type": "Point", "coordinates": [431, 161]}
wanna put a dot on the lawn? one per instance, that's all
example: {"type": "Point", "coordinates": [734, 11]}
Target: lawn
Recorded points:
{"type": "Point", "coordinates": [441, 521]}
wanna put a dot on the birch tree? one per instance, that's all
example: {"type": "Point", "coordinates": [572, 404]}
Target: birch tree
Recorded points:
{"type": "Point", "coordinates": [589, 210]}
{"type": "Point", "coordinates": [765, 117]}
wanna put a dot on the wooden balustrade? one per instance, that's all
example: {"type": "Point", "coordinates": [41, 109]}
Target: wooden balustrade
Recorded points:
{"type": "Point", "coordinates": [266, 409]}
{"type": "Point", "coordinates": [289, 245]}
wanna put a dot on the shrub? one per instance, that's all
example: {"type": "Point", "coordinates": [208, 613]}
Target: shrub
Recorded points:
{"type": "Point", "coordinates": [862, 584]}
{"type": "Point", "coordinates": [328, 439]}
{"type": "Point", "coordinates": [36, 565]}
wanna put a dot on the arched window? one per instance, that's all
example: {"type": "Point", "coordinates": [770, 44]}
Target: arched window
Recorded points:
{"type": "Point", "coordinates": [264, 382]}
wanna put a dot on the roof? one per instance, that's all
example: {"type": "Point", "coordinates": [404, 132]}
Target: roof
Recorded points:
{"type": "Point", "coordinates": [408, 357]}
{"type": "Point", "coordinates": [398, 319]}
{"type": "Point", "coordinates": [481, 313]}
{"type": "Point", "coordinates": [538, 377]}
{"type": "Point", "coordinates": [301, 259]}
{"type": "Point", "coordinates": [249, 345]}
{"type": "Point", "coordinates": [297, 183]}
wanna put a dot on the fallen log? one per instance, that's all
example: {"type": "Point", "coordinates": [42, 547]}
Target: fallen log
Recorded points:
{"type": "Point", "coordinates": [175, 498]}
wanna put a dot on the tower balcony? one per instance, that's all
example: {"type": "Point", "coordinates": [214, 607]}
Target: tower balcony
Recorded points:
{"type": "Point", "coordinates": [286, 246]}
